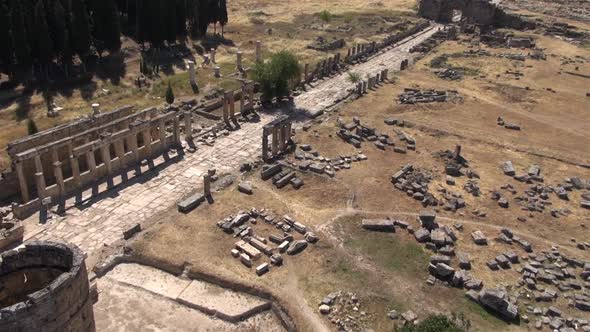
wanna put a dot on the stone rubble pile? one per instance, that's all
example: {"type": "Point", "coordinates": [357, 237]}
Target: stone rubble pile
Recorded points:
{"type": "Point", "coordinates": [500, 122]}
{"type": "Point", "coordinates": [355, 133]}
{"type": "Point", "coordinates": [449, 74]}
{"type": "Point", "coordinates": [414, 182]}
{"type": "Point", "coordinates": [281, 177]}
{"type": "Point", "coordinates": [537, 196]}
{"type": "Point", "coordinates": [415, 96]}
{"type": "Point", "coordinates": [309, 160]}
{"type": "Point", "coordinates": [251, 246]}
{"type": "Point", "coordinates": [344, 311]}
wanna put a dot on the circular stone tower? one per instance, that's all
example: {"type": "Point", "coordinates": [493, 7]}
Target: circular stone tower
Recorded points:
{"type": "Point", "coordinates": [44, 287]}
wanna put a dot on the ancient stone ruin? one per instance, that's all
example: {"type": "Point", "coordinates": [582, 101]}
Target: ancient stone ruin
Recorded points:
{"type": "Point", "coordinates": [44, 287]}
{"type": "Point", "coordinates": [479, 12]}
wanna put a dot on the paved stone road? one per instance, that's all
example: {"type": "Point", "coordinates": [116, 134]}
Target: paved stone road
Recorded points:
{"type": "Point", "coordinates": [103, 221]}
{"type": "Point", "coordinates": [326, 92]}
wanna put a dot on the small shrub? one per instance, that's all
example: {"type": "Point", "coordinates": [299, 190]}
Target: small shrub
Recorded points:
{"type": "Point", "coordinates": [325, 16]}
{"type": "Point", "coordinates": [353, 77]}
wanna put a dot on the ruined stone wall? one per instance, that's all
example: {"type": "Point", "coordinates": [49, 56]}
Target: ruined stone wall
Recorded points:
{"type": "Point", "coordinates": [480, 12]}
{"type": "Point", "coordinates": [57, 296]}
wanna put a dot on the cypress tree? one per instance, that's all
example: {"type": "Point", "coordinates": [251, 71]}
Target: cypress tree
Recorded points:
{"type": "Point", "coordinates": [107, 28]}
{"type": "Point", "coordinates": [80, 32]}
{"type": "Point", "coordinates": [223, 19]}
{"type": "Point", "coordinates": [204, 18]}
{"type": "Point", "coordinates": [169, 95]}
{"type": "Point", "coordinates": [42, 37]}
{"type": "Point", "coordinates": [32, 127]}
{"type": "Point", "coordinates": [181, 18]}
{"type": "Point", "coordinates": [6, 51]}
{"type": "Point", "coordinates": [59, 30]}
{"type": "Point", "coordinates": [170, 21]}
{"type": "Point", "coordinates": [22, 49]}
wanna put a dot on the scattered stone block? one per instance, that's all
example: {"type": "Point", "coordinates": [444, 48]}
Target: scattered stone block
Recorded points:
{"type": "Point", "coordinates": [422, 235]}
{"type": "Point", "coordinates": [297, 247]}
{"type": "Point", "coordinates": [262, 269]}
{"type": "Point", "coordinates": [245, 188]}
{"type": "Point", "coordinates": [379, 225]}
{"type": "Point", "coordinates": [508, 168]}
{"type": "Point", "coordinates": [479, 238]}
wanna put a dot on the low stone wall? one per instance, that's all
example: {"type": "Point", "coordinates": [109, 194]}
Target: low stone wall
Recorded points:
{"type": "Point", "coordinates": [57, 298]}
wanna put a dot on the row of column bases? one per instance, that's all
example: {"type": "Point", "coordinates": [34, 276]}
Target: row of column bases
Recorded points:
{"type": "Point", "coordinates": [371, 82]}
{"type": "Point", "coordinates": [281, 133]}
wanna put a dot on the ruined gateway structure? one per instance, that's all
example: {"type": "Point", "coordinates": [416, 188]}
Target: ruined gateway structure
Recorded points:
{"type": "Point", "coordinates": [44, 287]}
{"type": "Point", "coordinates": [479, 12]}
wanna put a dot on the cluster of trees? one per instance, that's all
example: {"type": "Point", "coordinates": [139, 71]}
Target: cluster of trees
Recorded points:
{"type": "Point", "coordinates": [36, 33]}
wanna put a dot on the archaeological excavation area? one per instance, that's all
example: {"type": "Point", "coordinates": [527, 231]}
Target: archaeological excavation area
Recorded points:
{"type": "Point", "coordinates": [300, 166]}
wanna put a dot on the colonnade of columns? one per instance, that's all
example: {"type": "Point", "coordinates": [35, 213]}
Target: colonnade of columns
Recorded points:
{"type": "Point", "coordinates": [281, 133]}
{"type": "Point", "coordinates": [124, 143]}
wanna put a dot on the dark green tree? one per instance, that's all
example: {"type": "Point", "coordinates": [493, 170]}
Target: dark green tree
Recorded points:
{"type": "Point", "coordinates": [6, 51]}
{"type": "Point", "coordinates": [223, 19]}
{"type": "Point", "coordinates": [106, 27]}
{"type": "Point", "coordinates": [181, 18]}
{"type": "Point", "coordinates": [169, 95]}
{"type": "Point", "coordinates": [204, 16]}
{"type": "Point", "coordinates": [44, 44]}
{"type": "Point", "coordinates": [32, 127]}
{"type": "Point", "coordinates": [80, 30]}
{"type": "Point", "coordinates": [22, 48]}
{"type": "Point", "coordinates": [170, 23]}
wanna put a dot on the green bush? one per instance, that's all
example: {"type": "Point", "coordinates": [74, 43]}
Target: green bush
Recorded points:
{"type": "Point", "coordinates": [439, 323]}
{"type": "Point", "coordinates": [353, 77]}
{"type": "Point", "coordinates": [325, 16]}
{"type": "Point", "coordinates": [276, 75]}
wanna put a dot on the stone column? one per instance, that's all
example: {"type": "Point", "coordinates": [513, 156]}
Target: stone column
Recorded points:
{"type": "Point", "coordinates": [243, 100]}
{"type": "Point", "coordinates": [188, 125]}
{"type": "Point", "coordinates": [132, 142]}
{"type": "Point", "coordinates": [22, 181]}
{"type": "Point", "coordinates": [359, 88]}
{"type": "Point", "coordinates": [217, 71]}
{"type": "Point", "coordinates": [264, 144]}
{"type": "Point", "coordinates": [282, 136]}
{"type": "Point", "coordinates": [106, 157]}
{"type": "Point", "coordinates": [191, 72]}
{"type": "Point", "coordinates": [232, 107]}
{"type": "Point", "coordinates": [239, 55]}
{"type": "Point", "coordinates": [91, 162]}
{"type": "Point", "coordinates": [365, 84]}
{"type": "Point", "coordinates": [38, 164]}
{"type": "Point", "coordinates": [384, 74]}
{"type": "Point", "coordinates": [377, 78]}
{"type": "Point", "coordinates": [59, 178]}
{"type": "Point", "coordinates": [258, 51]}
{"type": "Point", "coordinates": [162, 133]}
{"type": "Point", "coordinates": [74, 164]}
{"type": "Point", "coordinates": [40, 181]}
{"type": "Point", "coordinates": [306, 72]}
{"type": "Point", "coordinates": [289, 132]}
{"type": "Point", "coordinates": [226, 108]}
{"type": "Point", "coordinates": [213, 55]}
{"type": "Point", "coordinates": [275, 142]}
{"type": "Point", "coordinates": [177, 130]}
{"type": "Point", "coordinates": [207, 185]}
{"type": "Point", "coordinates": [120, 152]}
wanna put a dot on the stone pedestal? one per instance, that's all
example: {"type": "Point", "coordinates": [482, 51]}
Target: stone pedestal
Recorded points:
{"type": "Point", "coordinates": [217, 71]}
{"type": "Point", "coordinates": [258, 51]}
{"type": "Point", "coordinates": [212, 55]}
{"type": "Point", "coordinates": [191, 73]}
{"type": "Point", "coordinates": [95, 109]}
{"type": "Point", "coordinates": [207, 185]}
{"type": "Point", "coordinates": [188, 126]}
{"type": "Point", "coordinates": [239, 56]}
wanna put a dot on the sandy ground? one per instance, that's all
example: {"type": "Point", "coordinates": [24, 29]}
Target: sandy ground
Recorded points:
{"type": "Point", "coordinates": [133, 297]}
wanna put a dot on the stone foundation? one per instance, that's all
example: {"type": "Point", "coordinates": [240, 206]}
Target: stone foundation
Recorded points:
{"type": "Point", "coordinates": [44, 287]}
